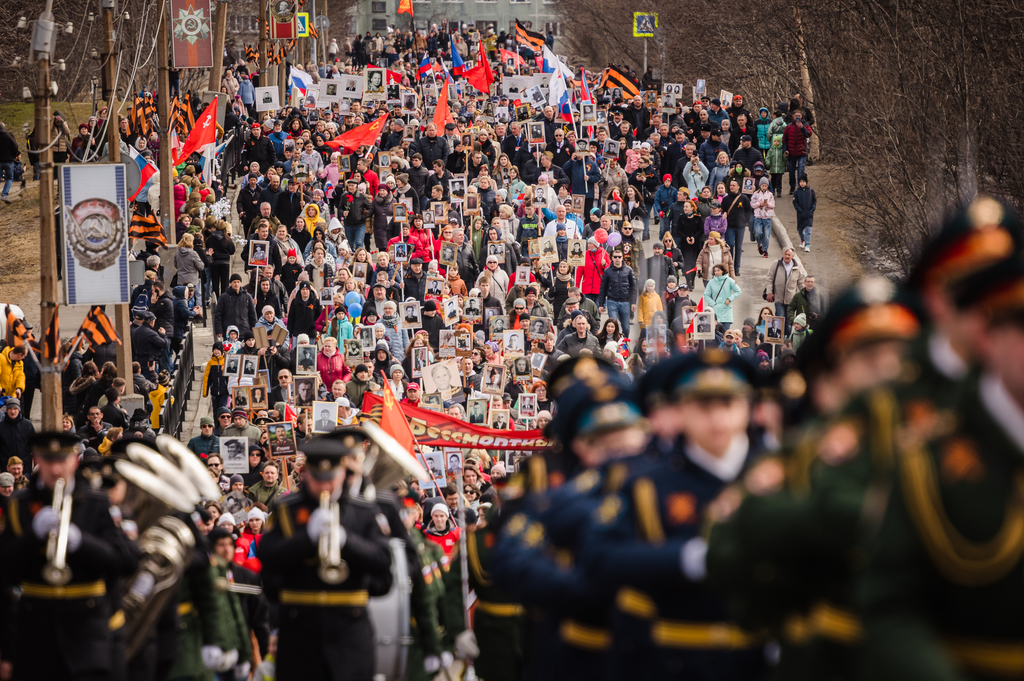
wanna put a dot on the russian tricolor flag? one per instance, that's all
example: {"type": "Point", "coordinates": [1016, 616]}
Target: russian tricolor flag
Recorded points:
{"type": "Point", "coordinates": [301, 80]}
{"type": "Point", "coordinates": [424, 66]}
{"type": "Point", "coordinates": [458, 66]}
{"type": "Point", "coordinates": [146, 169]}
{"type": "Point", "coordinates": [558, 95]}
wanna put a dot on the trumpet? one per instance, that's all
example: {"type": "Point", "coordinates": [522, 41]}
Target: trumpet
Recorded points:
{"type": "Point", "coordinates": [332, 570]}
{"type": "Point", "coordinates": [56, 570]}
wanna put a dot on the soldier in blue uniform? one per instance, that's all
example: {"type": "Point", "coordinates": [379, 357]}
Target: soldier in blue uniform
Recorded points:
{"type": "Point", "coordinates": [325, 630]}
{"type": "Point", "coordinates": [600, 433]}
{"type": "Point", "coordinates": [645, 543]}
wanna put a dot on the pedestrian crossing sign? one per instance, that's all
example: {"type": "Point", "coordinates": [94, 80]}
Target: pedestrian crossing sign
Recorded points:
{"type": "Point", "coordinates": [302, 23]}
{"type": "Point", "coordinates": [644, 24]}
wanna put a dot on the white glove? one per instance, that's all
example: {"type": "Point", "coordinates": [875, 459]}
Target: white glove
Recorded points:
{"type": "Point", "coordinates": [318, 520]}
{"type": "Point", "coordinates": [74, 538]}
{"type": "Point", "coordinates": [242, 670]}
{"type": "Point", "coordinates": [431, 664]}
{"type": "Point", "coordinates": [693, 559]}
{"type": "Point", "coordinates": [228, 661]}
{"type": "Point", "coordinates": [447, 659]}
{"type": "Point", "coordinates": [46, 520]}
{"type": "Point", "coordinates": [212, 656]}
{"type": "Point", "coordinates": [465, 645]}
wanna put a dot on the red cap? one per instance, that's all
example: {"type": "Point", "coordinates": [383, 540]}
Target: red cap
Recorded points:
{"type": "Point", "coordinates": [292, 253]}
{"type": "Point", "coordinates": [255, 125]}
{"type": "Point", "coordinates": [413, 386]}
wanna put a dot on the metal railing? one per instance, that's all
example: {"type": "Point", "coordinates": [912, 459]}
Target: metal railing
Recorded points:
{"type": "Point", "coordinates": [176, 403]}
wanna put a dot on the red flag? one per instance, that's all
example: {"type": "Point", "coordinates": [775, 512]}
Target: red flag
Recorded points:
{"type": "Point", "coordinates": [405, 7]}
{"type": "Point", "coordinates": [441, 112]}
{"type": "Point", "coordinates": [700, 308]}
{"type": "Point", "coordinates": [393, 77]}
{"type": "Point", "coordinates": [204, 133]}
{"type": "Point", "coordinates": [365, 134]}
{"type": "Point", "coordinates": [482, 51]}
{"type": "Point", "coordinates": [507, 55]}
{"type": "Point", "coordinates": [393, 421]}
{"type": "Point", "coordinates": [480, 77]}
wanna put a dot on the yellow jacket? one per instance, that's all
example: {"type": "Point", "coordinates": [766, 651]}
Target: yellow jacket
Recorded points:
{"type": "Point", "coordinates": [649, 304]}
{"type": "Point", "coordinates": [12, 373]}
{"type": "Point", "coordinates": [214, 362]}
{"type": "Point", "coordinates": [157, 397]}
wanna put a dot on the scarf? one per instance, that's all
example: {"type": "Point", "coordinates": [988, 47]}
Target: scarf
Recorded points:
{"type": "Point", "coordinates": [390, 320]}
{"type": "Point", "coordinates": [563, 277]}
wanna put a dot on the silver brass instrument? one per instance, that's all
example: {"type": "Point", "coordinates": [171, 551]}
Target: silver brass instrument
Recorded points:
{"type": "Point", "coordinates": [387, 461]}
{"type": "Point", "coordinates": [332, 570]}
{"type": "Point", "coordinates": [56, 570]}
{"type": "Point", "coordinates": [157, 489]}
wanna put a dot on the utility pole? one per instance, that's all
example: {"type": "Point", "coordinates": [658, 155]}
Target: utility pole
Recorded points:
{"type": "Point", "coordinates": [220, 27]}
{"type": "Point", "coordinates": [264, 44]}
{"type": "Point", "coordinates": [50, 373]}
{"type": "Point", "coordinates": [164, 111]}
{"type": "Point", "coordinates": [122, 317]}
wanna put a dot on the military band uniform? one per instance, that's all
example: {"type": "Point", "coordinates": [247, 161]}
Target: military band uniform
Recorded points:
{"type": "Point", "coordinates": [324, 629]}
{"type": "Point", "coordinates": [202, 619]}
{"type": "Point", "coordinates": [61, 632]}
{"type": "Point", "coordinates": [424, 602]}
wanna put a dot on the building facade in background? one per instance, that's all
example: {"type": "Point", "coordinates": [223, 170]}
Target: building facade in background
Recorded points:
{"type": "Point", "coordinates": [538, 15]}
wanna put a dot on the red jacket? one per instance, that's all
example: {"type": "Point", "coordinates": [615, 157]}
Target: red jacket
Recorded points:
{"type": "Point", "coordinates": [447, 541]}
{"type": "Point", "coordinates": [243, 546]}
{"type": "Point", "coordinates": [422, 241]}
{"type": "Point", "coordinates": [589, 276]}
{"type": "Point", "coordinates": [794, 140]}
{"type": "Point", "coordinates": [372, 182]}
{"type": "Point", "coordinates": [332, 368]}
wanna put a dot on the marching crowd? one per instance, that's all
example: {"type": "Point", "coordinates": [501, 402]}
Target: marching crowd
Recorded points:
{"type": "Point", "coordinates": [818, 492]}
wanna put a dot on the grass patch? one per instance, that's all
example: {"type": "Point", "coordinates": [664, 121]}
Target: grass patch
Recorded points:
{"type": "Point", "coordinates": [16, 114]}
{"type": "Point", "coordinates": [18, 220]}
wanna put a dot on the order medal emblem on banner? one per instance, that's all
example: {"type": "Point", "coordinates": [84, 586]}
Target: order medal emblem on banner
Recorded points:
{"type": "Point", "coordinates": [192, 37]}
{"type": "Point", "coordinates": [283, 24]}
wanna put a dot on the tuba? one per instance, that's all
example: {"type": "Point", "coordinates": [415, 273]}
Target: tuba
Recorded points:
{"type": "Point", "coordinates": [387, 461]}
{"type": "Point", "coordinates": [56, 570]}
{"type": "Point", "coordinates": [158, 489]}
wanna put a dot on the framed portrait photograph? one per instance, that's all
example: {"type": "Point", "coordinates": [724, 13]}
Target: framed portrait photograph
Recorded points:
{"type": "Point", "coordinates": [533, 249]}
{"type": "Point", "coordinates": [463, 343]}
{"type": "Point", "coordinates": [439, 209]}
{"type": "Point", "coordinates": [602, 116]}
{"type": "Point", "coordinates": [611, 147]}
{"type": "Point", "coordinates": [613, 209]}
{"type": "Point", "coordinates": [411, 315]}
{"type": "Point", "coordinates": [522, 275]}
{"type": "Point", "coordinates": [493, 379]}
{"type": "Point", "coordinates": [774, 329]}
{"type": "Point", "coordinates": [748, 185]}
{"type": "Point", "coordinates": [527, 404]}
{"type": "Point", "coordinates": [234, 452]}
{"type": "Point", "coordinates": [351, 87]}
{"type": "Point", "coordinates": [250, 366]}
{"type": "Point", "coordinates": [499, 419]}
{"type": "Point", "coordinates": [514, 343]}
{"type": "Point", "coordinates": [364, 334]}
{"type": "Point", "coordinates": [472, 205]}
{"type": "Point", "coordinates": [354, 349]}
{"type": "Point", "coordinates": [704, 326]}
{"type": "Point", "coordinates": [325, 417]}
{"type": "Point", "coordinates": [497, 325]}
{"type": "Point", "coordinates": [537, 361]}
{"type": "Point", "coordinates": [442, 378]}
{"type": "Point", "coordinates": [402, 251]}
{"type": "Point", "coordinates": [539, 327]}
{"type": "Point", "coordinates": [435, 287]}
{"type": "Point", "coordinates": [497, 249]}
{"type": "Point", "coordinates": [305, 390]}
{"type": "Point", "coordinates": [374, 88]}
{"type": "Point", "coordinates": [451, 310]}
{"type": "Point", "coordinates": [281, 437]}
{"type": "Point", "coordinates": [360, 270]}
{"type": "Point", "coordinates": [448, 255]}
{"type": "Point", "coordinates": [258, 397]}
{"type": "Point", "coordinates": [535, 132]}
{"type": "Point", "coordinates": [522, 372]}
{"type": "Point", "coordinates": [309, 101]}
{"type": "Point", "coordinates": [457, 187]}
{"type": "Point", "coordinates": [409, 100]}
{"type": "Point", "coordinates": [472, 309]}
{"type": "Point", "coordinates": [240, 397]}
{"type": "Point", "coordinates": [726, 97]}
{"type": "Point", "coordinates": [548, 250]}
{"type": "Point", "coordinates": [384, 159]}
{"type": "Point", "coordinates": [476, 411]}
{"type": "Point", "coordinates": [232, 365]}
{"type": "Point", "coordinates": [305, 359]}
{"type": "Point", "coordinates": [400, 212]}
{"type": "Point", "coordinates": [588, 113]}
{"type": "Point", "coordinates": [419, 361]}
{"type": "Point", "coordinates": [579, 202]}
{"type": "Point", "coordinates": [432, 401]}
{"type": "Point", "coordinates": [259, 253]}
{"type": "Point", "coordinates": [446, 343]}
{"type": "Point", "coordinates": [327, 296]}
{"type": "Point", "coordinates": [576, 254]}
{"type": "Point", "coordinates": [266, 98]}
{"type": "Point", "coordinates": [523, 112]}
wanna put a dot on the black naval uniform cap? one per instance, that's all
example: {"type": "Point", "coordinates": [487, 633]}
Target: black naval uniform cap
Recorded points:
{"type": "Point", "coordinates": [99, 470]}
{"type": "Point", "coordinates": [871, 311]}
{"type": "Point", "coordinates": [53, 445]}
{"type": "Point", "coordinates": [571, 370]}
{"type": "Point", "coordinates": [597, 400]}
{"type": "Point", "coordinates": [325, 453]}
{"type": "Point", "coordinates": [979, 235]}
{"type": "Point", "coordinates": [712, 373]}
{"type": "Point", "coordinates": [653, 388]}
{"type": "Point", "coordinates": [999, 293]}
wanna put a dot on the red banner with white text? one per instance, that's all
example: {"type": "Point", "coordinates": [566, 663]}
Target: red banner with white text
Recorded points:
{"type": "Point", "coordinates": [440, 430]}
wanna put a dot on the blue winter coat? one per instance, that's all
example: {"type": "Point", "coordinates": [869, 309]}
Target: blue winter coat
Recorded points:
{"type": "Point", "coordinates": [764, 140]}
{"type": "Point", "coordinates": [719, 290]}
{"type": "Point", "coordinates": [247, 92]}
{"type": "Point", "coordinates": [664, 198]}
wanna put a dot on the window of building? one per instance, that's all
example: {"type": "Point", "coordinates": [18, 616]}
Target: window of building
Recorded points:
{"type": "Point", "coordinates": [379, 7]}
{"type": "Point", "coordinates": [379, 25]}
{"type": "Point", "coordinates": [552, 27]}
